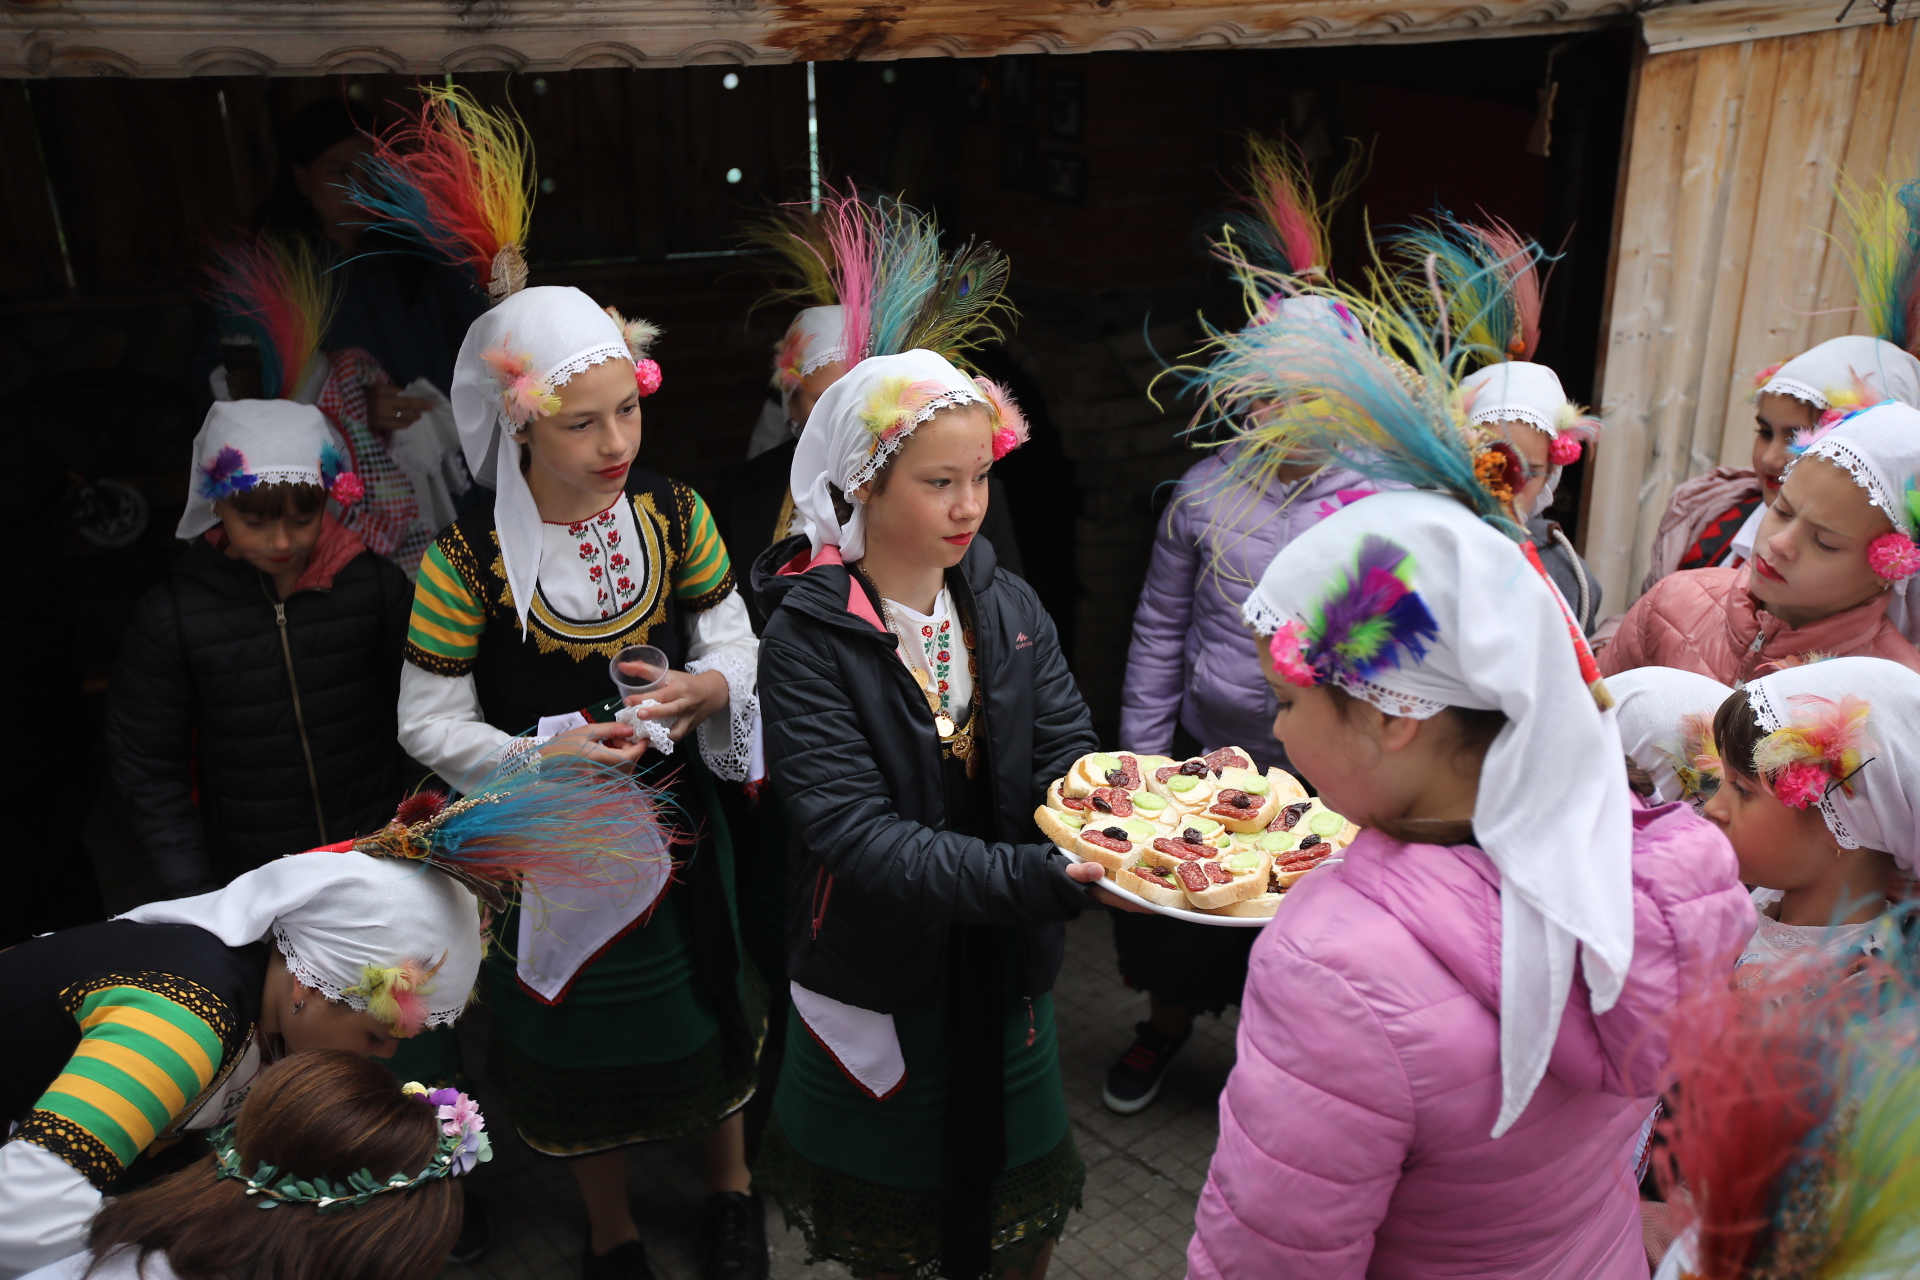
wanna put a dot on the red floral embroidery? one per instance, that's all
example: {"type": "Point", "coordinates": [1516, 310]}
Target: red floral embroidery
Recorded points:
{"type": "Point", "coordinates": [586, 551]}
{"type": "Point", "coordinates": [944, 656]}
{"type": "Point", "coordinates": [594, 571]}
{"type": "Point", "coordinates": [927, 632]}
{"type": "Point", "coordinates": [613, 537]}
{"type": "Point", "coordinates": [624, 585]}
{"type": "Point", "coordinates": [617, 561]}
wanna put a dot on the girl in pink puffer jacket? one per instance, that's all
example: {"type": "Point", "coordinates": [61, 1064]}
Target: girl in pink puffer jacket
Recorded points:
{"type": "Point", "coordinates": [1450, 1042]}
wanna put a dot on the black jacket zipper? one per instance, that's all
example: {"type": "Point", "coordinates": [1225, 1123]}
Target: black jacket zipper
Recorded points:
{"type": "Point", "coordinates": [299, 717]}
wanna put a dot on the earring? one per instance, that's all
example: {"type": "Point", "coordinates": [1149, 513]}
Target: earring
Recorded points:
{"type": "Point", "coordinates": [298, 1005]}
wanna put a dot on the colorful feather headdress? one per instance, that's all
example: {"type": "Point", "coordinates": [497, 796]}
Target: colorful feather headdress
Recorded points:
{"type": "Point", "coordinates": [1695, 758]}
{"type": "Point", "coordinates": [1360, 382]}
{"type": "Point", "coordinates": [458, 179]}
{"type": "Point", "coordinates": [880, 260]}
{"type": "Point", "coordinates": [1884, 252]}
{"type": "Point", "coordinates": [570, 823]}
{"type": "Point", "coordinates": [1791, 1145]}
{"type": "Point", "coordinates": [896, 405]}
{"type": "Point", "coordinates": [1479, 287]}
{"type": "Point", "coordinates": [270, 292]}
{"type": "Point", "coordinates": [1370, 621]}
{"type": "Point", "coordinates": [1276, 227]}
{"type": "Point", "coordinates": [1823, 747]}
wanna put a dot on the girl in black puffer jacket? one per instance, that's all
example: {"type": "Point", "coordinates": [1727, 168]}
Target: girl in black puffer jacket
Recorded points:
{"type": "Point", "coordinates": [917, 706]}
{"type": "Point", "coordinates": [253, 709]}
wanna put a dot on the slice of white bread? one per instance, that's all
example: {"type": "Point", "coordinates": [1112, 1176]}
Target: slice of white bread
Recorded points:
{"type": "Point", "coordinates": [1062, 826]}
{"type": "Point", "coordinates": [1113, 859]}
{"type": "Point", "coordinates": [1260, 906]}
{"type": "Point", "coordinates": [1144, 884]}
{"type": "Point", "coordinates": [1103, 769]}
{"type": "Point", "coordinates": [1247, 877]}
{"type": "Point", "coordinates": [1285, 786]}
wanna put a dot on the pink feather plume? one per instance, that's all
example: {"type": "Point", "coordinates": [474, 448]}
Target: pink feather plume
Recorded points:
{"type": "Point", "coordinates": [1010, 429]}
{"type": "Point", "coordinates": [1511, 248]}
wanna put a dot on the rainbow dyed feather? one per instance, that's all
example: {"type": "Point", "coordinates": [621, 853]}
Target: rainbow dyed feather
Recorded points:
{"type": "Point", "coordinates": [1884, 253]}
{"type": "Point", "coordinates": [1478, 287]}
{"type": "Point", "coordinates": [272, 289]}
{"type": "Point", "coordinates": [458, 180]}
{"type": "Point", "coordinates": [1372, 621]}
{"type": "Point", "coordinates": [1276, 223]}
{"type": "Point", "coordinates": [570, 822]}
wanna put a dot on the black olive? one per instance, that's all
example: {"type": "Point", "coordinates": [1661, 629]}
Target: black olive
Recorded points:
{"type": "Point", "coordinates": [1101, 804]}
{"type": "Point", "coordinates": [1293, 813]}
{"type": "Point", "coordinates": [1116, 776]}
{"type": "Point", "coordinates": [1194, 768]}
{"type": "Point", "coordinates": [1312, 842]}
{"type": "Point", "coordinates": [1191, 835]}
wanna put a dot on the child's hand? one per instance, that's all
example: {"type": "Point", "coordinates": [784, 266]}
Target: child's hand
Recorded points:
{"type": "Point", "coordinates": [611, 744]}
{"type": "Point", "coordinates": [388, 410]}
{"type": "Point", "coordinates": [684, 699]}
{"type": "Point", "coordinates": [1090, 874]}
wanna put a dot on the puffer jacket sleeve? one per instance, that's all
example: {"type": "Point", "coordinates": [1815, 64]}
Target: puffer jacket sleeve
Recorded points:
{"type": "Point", "coordinates": [1632, 644]}
{"type": "Point", "coordinates": [150, 721]}
{"type": "Point", "coordinates": [838, 803]}
{"type": "Point", "coordinates": [1156, 674]}
{"type": "Point", "coordinates": [1690, 918]}
{"type": "Point", "coordinates": [1315, 1123]}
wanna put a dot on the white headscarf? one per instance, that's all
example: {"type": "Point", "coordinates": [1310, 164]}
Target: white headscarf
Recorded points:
{"type": "Point", "coordinates": [817, 337]}
{"type": "Point", "coordinates": [1553, 812]}
{"type": "Point", "coordinates": [1521, 391]}
{"type": "Point", "coordinates": [1854, 369]}
{"type": "Point", "coordinates": [336, 915]}
{"type": "Point", "coordinates": [856, 425]}
{"type": "Point", "coordinates": [1879, 812]}
{"type": "Point", "coordinates": [271, 442]}
{"type": "Point", "coordinates": [1655, 705]}
{"type": "Point", "coordinates": [1880, 448]}
{"type": "Point", "coordinates": [559, 331]}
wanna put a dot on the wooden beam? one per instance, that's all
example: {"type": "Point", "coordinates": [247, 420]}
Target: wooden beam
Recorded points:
{"type": "Point", "coordinates": [1674, 27]}
{"type": "Point", "coordinates": [172, 38]}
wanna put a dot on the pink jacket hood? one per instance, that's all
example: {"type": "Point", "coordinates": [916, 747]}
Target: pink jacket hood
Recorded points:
{"type": "Point", "coordinates": [1353, 1130]}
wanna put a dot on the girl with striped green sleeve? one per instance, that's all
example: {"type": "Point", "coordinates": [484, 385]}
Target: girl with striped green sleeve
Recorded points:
{"type": "Point", "coordinates": [625, 1020]}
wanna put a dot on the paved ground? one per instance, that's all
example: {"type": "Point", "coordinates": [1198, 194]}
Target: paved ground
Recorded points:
{"type": "Point", "coordinates": [1143, 1172]}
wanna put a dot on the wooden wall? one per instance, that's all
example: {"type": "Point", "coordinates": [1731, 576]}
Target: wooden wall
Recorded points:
{"type": "Point", "coordinates": [1726, 258]}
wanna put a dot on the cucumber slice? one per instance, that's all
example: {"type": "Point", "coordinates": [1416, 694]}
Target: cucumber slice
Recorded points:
{"type": "Point", "coordinates": [1276, 841]}
{"type": "Point", "coordinates": [1147, 802]}
{"type": "Point", "coordinates": [1207, 827]}
{"type": "Point", "coordinates": [1255, 785]}
{"type": "Point", "coordinates": [1182, 782]}
{"type": "Point", "coordinates": [1101, 763]}
{"type": "Point", "coordinates": [1326, 822]}
{"type": "Point", "coordinates": [1072, 817]}
{"type": "Point", "coordinates": [1241, 863]}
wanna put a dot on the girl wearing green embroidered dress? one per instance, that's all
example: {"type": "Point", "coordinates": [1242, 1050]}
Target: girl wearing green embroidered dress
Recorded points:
{"type": "Point", "coordinates": [632, 1020]}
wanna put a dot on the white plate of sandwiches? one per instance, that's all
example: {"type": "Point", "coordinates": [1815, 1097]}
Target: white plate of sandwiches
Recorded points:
{"type": "Point", "coordinates": [1210, 839]}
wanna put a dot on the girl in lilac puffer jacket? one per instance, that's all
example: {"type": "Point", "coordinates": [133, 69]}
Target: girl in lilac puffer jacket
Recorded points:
{"type": "Point", "coordinates": [1451, 1041]}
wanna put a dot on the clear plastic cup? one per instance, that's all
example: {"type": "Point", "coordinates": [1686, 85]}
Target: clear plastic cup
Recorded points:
{"type": "Point", "coordinates": [638, 670]}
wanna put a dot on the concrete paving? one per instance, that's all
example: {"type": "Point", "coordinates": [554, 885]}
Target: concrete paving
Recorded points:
{"type": "Point", "coordinates": [1144, 1171]}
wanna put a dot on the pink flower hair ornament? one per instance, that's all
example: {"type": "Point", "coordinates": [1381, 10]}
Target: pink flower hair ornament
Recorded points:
{"type": "Point", "coordinates": [1563, 451]}
{"type": "Point", "coordinates": [524, 396]}
{"type": "Point", "coordinates": [1010, 429]}
{"type": "Point", "coordinates": [639, 335]}
{"type": "Point", "coordinates": [346, 489]}
{"type": "Point", "coordinates": [1289, 655]}
{"type": "Point", "coordinates": [1822, 747]}
{"type": "Point", "coordinates": [1893, 557]}
{"type": "Point", "coordinates": [463, 1128]}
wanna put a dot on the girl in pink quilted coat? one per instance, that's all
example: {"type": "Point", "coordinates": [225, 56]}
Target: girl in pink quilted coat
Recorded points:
{"type": "Point", "coordinates": [1829, 569]}
{"type": "Point", "coordinates": [1450, 1041]}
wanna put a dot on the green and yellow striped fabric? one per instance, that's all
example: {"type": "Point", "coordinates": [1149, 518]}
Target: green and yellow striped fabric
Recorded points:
{"type": "Point", "coordinates": [704, 576]}
{"type": "Point", "coordinates": [447, 620]}
{"type": "Point", "coordinates": [142, 1059]}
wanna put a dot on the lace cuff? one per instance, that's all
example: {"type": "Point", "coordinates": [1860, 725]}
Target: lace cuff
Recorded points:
{"type": "Point", "coordinates": [727, 745]}
{"type": "Point", "coordinates": [520, 755]}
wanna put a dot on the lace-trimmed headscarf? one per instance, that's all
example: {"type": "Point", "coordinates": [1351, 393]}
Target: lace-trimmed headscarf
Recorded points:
{"type": "Point", "coordinates": [1666, 721]}
{"type": "Point", "coordinates": [392, 936]}
{"type": "Point", "coordinates": [1880, 449]}
{"type": "Point", "coordinates": [859, 423]}
{"type": "Point", "coordinates": [1521, 391]}
{"type": "Point", "coordinates": [510, 369]}
{"type": "Point", "coordinates": [816, 338]}
{"type": "Point", "coordinates": [246, 443]}
{"type": "Point", "coordinates": [1848, 371]}
{"type": "Point", "coordinates": [1867, 802]}
{"type": "Point", "coordinates": [1411, 602]}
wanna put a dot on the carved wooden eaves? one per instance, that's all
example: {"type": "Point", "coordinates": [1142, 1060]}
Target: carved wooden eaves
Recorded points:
{"type": "Point", "coordinates": [318, 37]}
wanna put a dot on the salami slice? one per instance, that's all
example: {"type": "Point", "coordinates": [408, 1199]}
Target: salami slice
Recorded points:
{"type": "Point", "coordinates": [1112, 800]}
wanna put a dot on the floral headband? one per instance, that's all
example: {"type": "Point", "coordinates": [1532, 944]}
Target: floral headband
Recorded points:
{"type": "Point", "coordinates": [1820, 749]}
{"type": "Point", "coordinates": [463, 1144]}
{"type": "Point", "coordinates": [525, 395]}
{"type": "Point", "coordinates": [896, 405]}
{"type": "Point", "coordinates": [1371, 622]}
{"type": "Point", "coordinates": [226, 474]}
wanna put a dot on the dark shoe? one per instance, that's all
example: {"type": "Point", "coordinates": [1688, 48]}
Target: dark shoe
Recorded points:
{"type": "Point", "coordinates": [622, 1262]}
{"type": "Point", "coordinates": [736, 1237]}
{"type": "Point", "coordinates": [476, 1228]}
{"type": "Point", "coordinates": [1134, 1081]}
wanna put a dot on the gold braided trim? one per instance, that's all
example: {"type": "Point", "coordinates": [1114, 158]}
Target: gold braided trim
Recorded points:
{"type": "Point", "coordinates": [91, 1158]}
{"type": "Point", "coordinates": [583, 640]}
{"type": "Point", "coordinates": [438, 664]}
{"type": "Point", "coordinates": [712, 596]}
